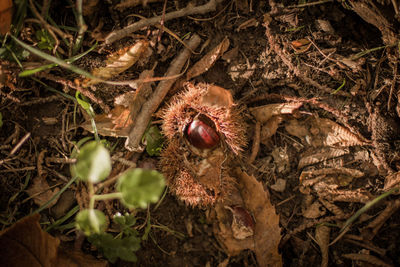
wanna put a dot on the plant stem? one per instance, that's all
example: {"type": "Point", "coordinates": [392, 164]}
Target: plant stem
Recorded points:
{"type": "Point", "coordinates": [117, 195]}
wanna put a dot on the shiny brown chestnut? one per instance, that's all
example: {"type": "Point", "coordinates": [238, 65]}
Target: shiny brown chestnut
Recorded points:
{"type": "Point", "coordinates": [200, 134]}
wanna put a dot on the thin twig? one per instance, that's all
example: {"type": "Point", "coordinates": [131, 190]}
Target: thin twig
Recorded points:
{"type": "Point", "coordinates": [187, 11]}
{"type": "Point", "coordinates": [148, 108]}
{"type": "Point", "coordinates": [392, 86]}
{"type": "Point", "coordinates": [20, 143]}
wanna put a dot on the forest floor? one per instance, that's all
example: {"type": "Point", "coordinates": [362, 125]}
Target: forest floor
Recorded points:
{"type": "Point", "coordinates": [317, 86]}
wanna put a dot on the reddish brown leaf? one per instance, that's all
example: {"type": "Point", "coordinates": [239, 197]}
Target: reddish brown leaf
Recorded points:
{"type": "Point", "coordinates": [5, 16]}
{"type": "Point", "coordinates": [27, 244]}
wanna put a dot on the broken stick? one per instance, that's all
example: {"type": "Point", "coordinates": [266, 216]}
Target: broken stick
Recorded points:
{"type": "Point", "coordinates": [148, 108]}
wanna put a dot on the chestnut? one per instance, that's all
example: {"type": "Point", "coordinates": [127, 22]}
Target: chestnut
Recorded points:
{"type": "Point", "coordinates": [200, 134]}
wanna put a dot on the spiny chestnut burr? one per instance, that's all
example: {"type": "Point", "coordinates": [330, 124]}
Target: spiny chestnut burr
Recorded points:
{"type": "Point", "coordinates": [201, 135]}
{"type": "Point", "coordinates": [204, 131]}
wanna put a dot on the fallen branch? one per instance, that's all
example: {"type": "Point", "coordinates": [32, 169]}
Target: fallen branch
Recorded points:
{"type": "Point", "coordinates": [187, 11]}
{"type": "Point", "coordinates": [148, 108]}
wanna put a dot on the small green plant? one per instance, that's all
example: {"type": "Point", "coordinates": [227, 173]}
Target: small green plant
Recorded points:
{"type": "Point", "coordinates": [45, 41]}
{"type": "Point", "coordinates": [154, 140]}
{"type": "Point", "coordinates": [136, 188]}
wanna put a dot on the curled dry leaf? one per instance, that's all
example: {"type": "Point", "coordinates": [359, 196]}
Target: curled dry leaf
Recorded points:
{"type": "Point", "coordinates": [322, 235]}
{"type": "Point", "coordinates": [314, 156]}
{"type": "Point", "coordinates": [206, 62]}
{"type": "Point", "coordinates": [326, 183]}
{"type": "Point", "coordinates": [359, 195]}
{"type": "Point", "coordinates": [28, 245]}
{"type": "Point", "coordinates": [264, 113]}
{"type": "Point", "coordinates": [319, 132]}
{"type": "Point", "coordinates": [338, 176]}
{"type": "Point", "coordinates": [301, 45]}
{"type": "Point", "coordinates": [120, 61]}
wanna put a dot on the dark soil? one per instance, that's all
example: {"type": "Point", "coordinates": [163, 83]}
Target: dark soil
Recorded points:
{"type": "Point", "coordinates": [270, 71]}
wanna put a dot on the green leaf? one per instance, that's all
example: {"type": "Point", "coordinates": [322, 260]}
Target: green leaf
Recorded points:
{"type": "Point", "coordinates": [84, 104]}
{"type": "Point", "coordinates": [154, 141]}
{"type": "Point", "coordinates": [139, 187]}
{"type": "Point", "coordinates": [127, 219]}
{"type": "Point", "coordinates": [93, 162]}
{"type": "Point", "coordinates": [91, 221]}
{"type": "Point", "coordinates": [116, 248]}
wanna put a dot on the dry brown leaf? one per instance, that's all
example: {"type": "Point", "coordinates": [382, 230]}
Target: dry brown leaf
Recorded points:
{"type": "Point", "coordinates": [206, 62]}
{"type": "Point", "coordinates": [322, 234]}
{"type": "Point", "coordinates": [117, 123]}
{"type": "Point", "coordinates": [126, 109]}
{"type": "Point", "coordinates": [314, 156]}
{"type": "Point", "coordinates": [120, 61]}
{"type": "Point", "coordinates": [248, 23]}
{"type": "Point", "coordinates": [332, 134]}
{"type": "Point", "coordinates": [41, 193]}
{"type": "Point", "coordinates": [269, 129]}
{"type": "Point", "coordinates": [319, 132]}
{"type": "Point", "coordinates": [267, 233]}
{"type": "Point", "coordinates": [325, 182]}
{"type": "Point", "coordinates": [5, 16]}
{"type": "Point", "coordinates": [28, 245]}
{"type": "Point", "coordinates": [310, 177]}
{"type": "Point", "coordinates": [391, 181]}
{"type": "Point", "coordinates": [359, 195]}
{"type": "Point", "coordinates": [224, 233]}
{"type": "Point", "coordinates": [142, 93]}
{"type": "Point", "coordinates": [218, 97]}
{"type": "Point", "coordinates": [264, 113]}
{"type": "Point", "coordinates": [301, 45]}
{"type": "Point", "coordinates": [315, 210]}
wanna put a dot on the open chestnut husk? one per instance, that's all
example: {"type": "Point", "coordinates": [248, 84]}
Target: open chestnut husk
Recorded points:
{"type": "Point", "coordinates": [204, 131]}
